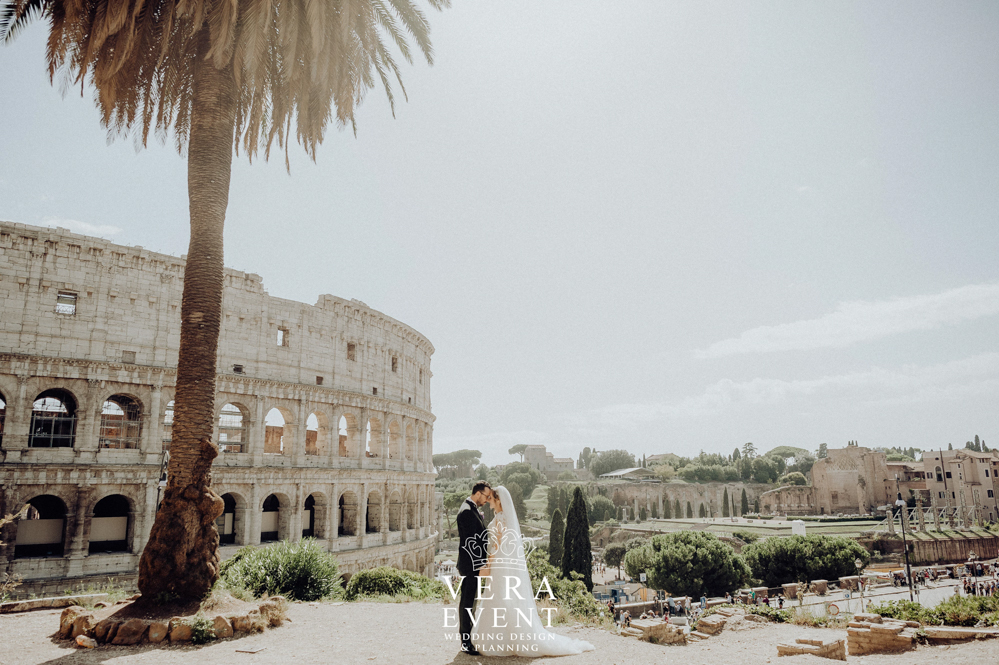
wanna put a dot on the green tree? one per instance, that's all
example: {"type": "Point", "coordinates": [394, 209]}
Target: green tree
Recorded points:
{"type": "Point", "coordinates": [518, 500]}
{"type": "Point", "coordinates": [778, 561]}
{"type": "Point", "coordinates": [677, 510]}
{"type": "Point", "coordinates": [686, 563]}
{"type": "Point", "coordinates": [576, 554]}
{"type": "Point", "coordinates": [655, 511]}
{"type": "Point", "coordinates": [219, 75]}
{"type": "Point", "coordinates": [518, 450]}
{"type": "Point", "coordinates": [701, 512]}
{"type": "Point", "coordinates": [690, 511]}
{"type": "Point", "coordinates": [600, 509]}
{"type": "Point", "coordinates": [764, 470]}
{"type": "Point", "coordinates": [667, 509]}
{"type": "Point", "coordinates": [736, 455]}
{"type": "Point", "coordinates": [521, 474]}
{"type": "Point", "coordinates": [793, 478]}
{"type": "Point", "coordinates": [555, 539]}
{"type": "Point", "coordinates": [482, 472]}
{"type": "Point", "coordinates": [642, 515]}
{"type": "Point", "coordinates": [950, 446]}
{"type": "Point", "coordinates": [725, 510]}
{"type": "Point", "coordinates": [748, 450]}
{"type": "Point", "coordinates": [612, 460]}
{"type": "Point", "coordinates": [756, 505]}
{"type": "Point", "coordinates": [452, 502]}
{"type": "Point", "coordinates": [823, 450]}
{"type": "Point", "coordinates": [552, 501]}
{"type": "Point", "coordinates": [567, 475]}
{"type": "Point", "coordinates": [743, 503]}
{"type": "Point", "coordinates": [614, 556]}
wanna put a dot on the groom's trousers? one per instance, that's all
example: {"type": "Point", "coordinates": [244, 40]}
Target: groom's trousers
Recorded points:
{"type": "Point", "coordinates": [469, 586]}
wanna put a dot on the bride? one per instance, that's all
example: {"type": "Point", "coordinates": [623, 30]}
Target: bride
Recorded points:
{"type": "Point", "coordinates": [509, 623]}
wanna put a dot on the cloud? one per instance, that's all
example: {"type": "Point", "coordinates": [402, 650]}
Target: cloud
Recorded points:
{"type": "Point", "coordinates": [967, 378]}
{"type": "Point", "coordinates": [863, 321]}
{"type": "Point", "coordinates": [491, 442]}
{"type": "Point", "coordinates": [84, 228]}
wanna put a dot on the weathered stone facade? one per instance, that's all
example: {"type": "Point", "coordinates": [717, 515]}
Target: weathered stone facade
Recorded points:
{"type": "Point", "coordinates": [636, 496]}
{"type": "Point", "coordinates": [89, 335]}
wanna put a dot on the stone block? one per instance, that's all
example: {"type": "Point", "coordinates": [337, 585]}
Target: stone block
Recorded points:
{"type": "Point", "coordinates": [869, 618]}
{"type": "Point", "coordinates": [711, 624]}
{"type": "Point", "coordinates": [222, 627]}
{"type": "Point", "coordinates": [820, 587]}
{"type": "Point", "coordinates": [130, 632]}
{"type": "Point", "coordinates": [242, 624]}
{"type": "Point", "coordinates": [179, 631]}
{"type": "Point", "coordinates": [84, 625]}
{"type": "Point", "coordinates": [104, 627]}
{"type": "Point", "coordinates": [67, 618]}
{"type": "Point", "coordinates": [835, 650]}
{"type": "Point", "coordinates": [158, 632]}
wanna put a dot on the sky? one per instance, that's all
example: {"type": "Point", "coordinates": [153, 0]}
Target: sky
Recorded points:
{"type": "Point", "coordinates": [650, 225]}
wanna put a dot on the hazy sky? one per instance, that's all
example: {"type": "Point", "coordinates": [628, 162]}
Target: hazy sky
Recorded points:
{"type": "Point", "coordinates": [657, 226]}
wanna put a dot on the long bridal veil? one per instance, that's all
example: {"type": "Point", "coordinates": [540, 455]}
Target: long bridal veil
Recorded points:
{"type": "Point", "coordinates": [510, 624]}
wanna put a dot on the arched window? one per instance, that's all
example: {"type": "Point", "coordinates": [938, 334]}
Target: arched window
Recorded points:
{"type": "Point", "coordinates": [309, 518]}
{"type": "Point", "coordinates": [168, 425]}
{"type": "Point", "coordinates": [276, 436]}
{"type": "Point", "coordinates": [109, 526]}
{"type": "Point", "coordinates": [939, 473]}
{"type": "Point", "coordinates": [53, 420]}
{"type": "Point", "coordinates": [232, 428]}
{"type": "Point", "coordinates": [269, 522]}
{"type": "Point", "coordinates": [40, 531]}
{"type": "Point", "coordinates": [374, 521]}
{"type": "Point", "coordinates": [226, 522]}
{"type": "Point", "coordinates": [121, 422]}
{"type": "Point", "coordinates": [347, 522]}
{"type": "Point", "coordinates": [3, 415]}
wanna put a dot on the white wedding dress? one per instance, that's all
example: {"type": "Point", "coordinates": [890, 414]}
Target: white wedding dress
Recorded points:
{"type": "Point", "coordinates": [509, 623]}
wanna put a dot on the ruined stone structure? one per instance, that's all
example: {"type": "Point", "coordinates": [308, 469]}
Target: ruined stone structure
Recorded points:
{"type": "Point", "coordinates": [323, 414]}
{"type": "Point", "coordinates": [550, 466]}
{"type": "Point", "coordinates": [637, 495]}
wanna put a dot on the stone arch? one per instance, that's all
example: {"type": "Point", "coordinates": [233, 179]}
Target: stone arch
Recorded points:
{"type": "Point", "coordinates": [373, 438]}
{"type": "Point", "coordinates": [349, 435]}
{"type": "Point", "coordinates": [373, 522]}
{"type": "Point", "coordinates": [111, 525]}
{"type": "Point", "coordinates": [412, 506]}
{"type": "Point", "coordinates": [234, 428]}
{"type": "Point", "coordinates": [167, 425]}
{"type": "Point", "coordinates": [41, 532]}
{"type": "Point", "coordinates": [409, 442]}
{"type": "Point", "coordinates": [423, 454]}
{"type": "Point", "coordinates": [275, 519]}
{"type": "Point", "coordinates": [3, 415]}
{"type": "Point", "coordinates": [278, 431]}
{"type": "Point", "coordinates": [348, 514]}
{"type": "Point", "coordinates": [121, 422]}
{"type": "Point", "coordinates": [53, 419]}
{"type": "Point", "coordinates": [317, 434]}
{"type": "Point", "coordinates": [395, 440]}
{"type": "Point", "coordinates": [231, 524]}
{"type": "Point", "coordinates": [395, 511]}
{"type": "Point", "coordinates": [314, 516]}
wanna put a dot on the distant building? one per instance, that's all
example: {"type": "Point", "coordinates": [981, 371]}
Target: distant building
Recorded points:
{"type": "Point", "coordinates": [637, 473]}
{"type": "Point", "coordinates": [538, 457]}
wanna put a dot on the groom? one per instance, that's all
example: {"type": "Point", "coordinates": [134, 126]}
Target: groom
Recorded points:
{"type": "Point", "coordinates": [470, 525]}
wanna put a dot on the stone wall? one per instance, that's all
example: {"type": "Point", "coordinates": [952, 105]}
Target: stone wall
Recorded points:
{"type": "Point", "coordinates": [849, 481]}
{"type": "Point", "coordinates": [637, 495]}
{"type": "Point", "coordinates": [89, 323]}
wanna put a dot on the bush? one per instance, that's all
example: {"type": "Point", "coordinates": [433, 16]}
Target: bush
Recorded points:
{"type": "Point", "coordinates": [793, 478]}
{"type": "Point", "coordinates": [521, 474]}
{"type": "Point", "coordinates": [779, 561]}
{"type": "Point", "coordinates": [298, 571]}
{"type": "Point", "coordinates": [746, 536]}
{"type": "Point", "coordinates": [386, 581]}
{"type": "Point", "coordinates": [570, 595]}
{"type": "Point", "coordinates": [905, 610]}
{"type": "Point", "coordinates": [600, 509]}
{"type": "Point", "coordinates": [202, 629]}
{"type": "Point", "coordinates": [955, 611]}
{"type": "Point", "coordinates": [686, 563]}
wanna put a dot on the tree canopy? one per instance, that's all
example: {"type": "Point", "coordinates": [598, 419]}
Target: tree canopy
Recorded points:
{"type": "Point", "coordinates": [523, 475]}
{"type": "Point", "coordinates": [778, 561]}
{"type": "Point", "coordinates": [686, 563]}
{"type": "Point", "coordinates": [455, 459]}
{"type": "Point", "coordinates": [612, 460]}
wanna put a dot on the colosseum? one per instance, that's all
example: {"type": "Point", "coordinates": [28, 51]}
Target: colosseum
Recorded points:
{"type": "Point", "coordinates": [323, 414]}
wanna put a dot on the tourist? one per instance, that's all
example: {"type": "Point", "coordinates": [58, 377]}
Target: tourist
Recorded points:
{"type": "Point", "coordinates": [704, 603]}
{"type": "Point", "coordinates": [728, 598]}
{"type": "Point", "coordinates": [780, 602]}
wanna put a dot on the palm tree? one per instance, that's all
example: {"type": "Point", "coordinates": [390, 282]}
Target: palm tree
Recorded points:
{"type": "Point", "coordinates": [223, 75]}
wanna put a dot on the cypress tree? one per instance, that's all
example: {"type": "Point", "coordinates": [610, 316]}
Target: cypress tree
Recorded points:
{"type": "Point", "coordinates": [552, 501]}
{"type": "Point", "coordinates": [642, 515]}
{"type": "Point", "coordinates": [690, 510]}
{"type": "Point", "coordinates": [744, 508]}
{"type": "Point", "coordinates": [655, 511]}
{"type": "Point", "coordinates": [555, 539]}
{"type": "Point", "coordinates": [701, 512]}
{"type": "Point", "coordinates": [667, 509]}
{"type": "Point", "coordinates": [725, 511]}
{"type": "Point", "coordinates": [677, 511]}
{"type": "Point", "coordinates": [756, 506]}
{"type": "Point", "coordinates": [576, 554]}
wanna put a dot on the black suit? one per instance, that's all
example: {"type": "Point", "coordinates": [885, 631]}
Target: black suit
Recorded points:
{"type": "Point", "coordinates": [469, 526]}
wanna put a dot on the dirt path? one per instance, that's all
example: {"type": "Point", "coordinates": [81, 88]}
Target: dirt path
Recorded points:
{"type": "Point", "coordinates": [412, 633]}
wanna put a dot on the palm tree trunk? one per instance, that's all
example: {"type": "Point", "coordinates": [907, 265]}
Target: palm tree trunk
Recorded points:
{"type": "Point", "coordinates": [181, 558]}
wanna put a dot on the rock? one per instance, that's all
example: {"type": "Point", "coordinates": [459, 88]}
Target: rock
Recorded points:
{"type": "Point", "coordinates": [242, 624]}
{"type": "Point", "coordinates": [158, 632]}
{"type": "Point", "coordinates": [756, 618]}
{"type": "Point", "coordinates": [272, 611]}
{"type": "Point", "coordinates": [222, 627]}
{"type": "Point", "coordinates": [112, 632]}
{"type": "Point", "coordinates": [67, 618]}
{"type": "Point", "coordinates": [103, 631]}
{"type": "Point", "coordinates": [835, 650]}
{"type": "Point", "coordinates": [85, 642]}
{"type": "Point", "coordinates": [84, 625]}
{"type": "Point", "coordinates": [179, 631]}
{"type": "Point", "coordinates": [101, 605]}
{"type": "Point", "coordinates": [134, 598]}
{"type": "Point", "coordinates": [130, 632]}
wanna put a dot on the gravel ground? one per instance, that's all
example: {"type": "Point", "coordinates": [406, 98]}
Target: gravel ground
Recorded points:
{"type": "Point", "coordinates": [408, 633]}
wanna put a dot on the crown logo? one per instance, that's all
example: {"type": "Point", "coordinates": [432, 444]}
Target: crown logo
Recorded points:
{"type": "Point", "coordinates": [508, 552]}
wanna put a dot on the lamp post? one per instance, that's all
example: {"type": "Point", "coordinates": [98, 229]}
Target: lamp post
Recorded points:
{"type": "Point", "coordinates": [860, 574]}
{"type": "Point", "coordinates": [900, 502]}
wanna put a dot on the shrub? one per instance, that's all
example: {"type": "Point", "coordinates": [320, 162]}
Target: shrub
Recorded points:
{"type": "Point", "coordinates": [298, 571]}
{"type": "Point", "coordinates": [793, 478]}
{"type": "Point", "coordinates": [968, 610]}
{"type": "Point", "coordinates": [600, 509]}
{"type": "Point", "coordinates": [905, 610]}
{"type": "Point", "coordinates": [202, 629]}
{"type": "Point", "coordinates": [778, 561]}
{"type": "Point", "coordinates": [386, 581]}
{"type": "Point", "coordinates": [690, 563]}
{"type": "Point", "coordinates": [570, 595]}
{"type": "Point", "coordinates": [746, 536]}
